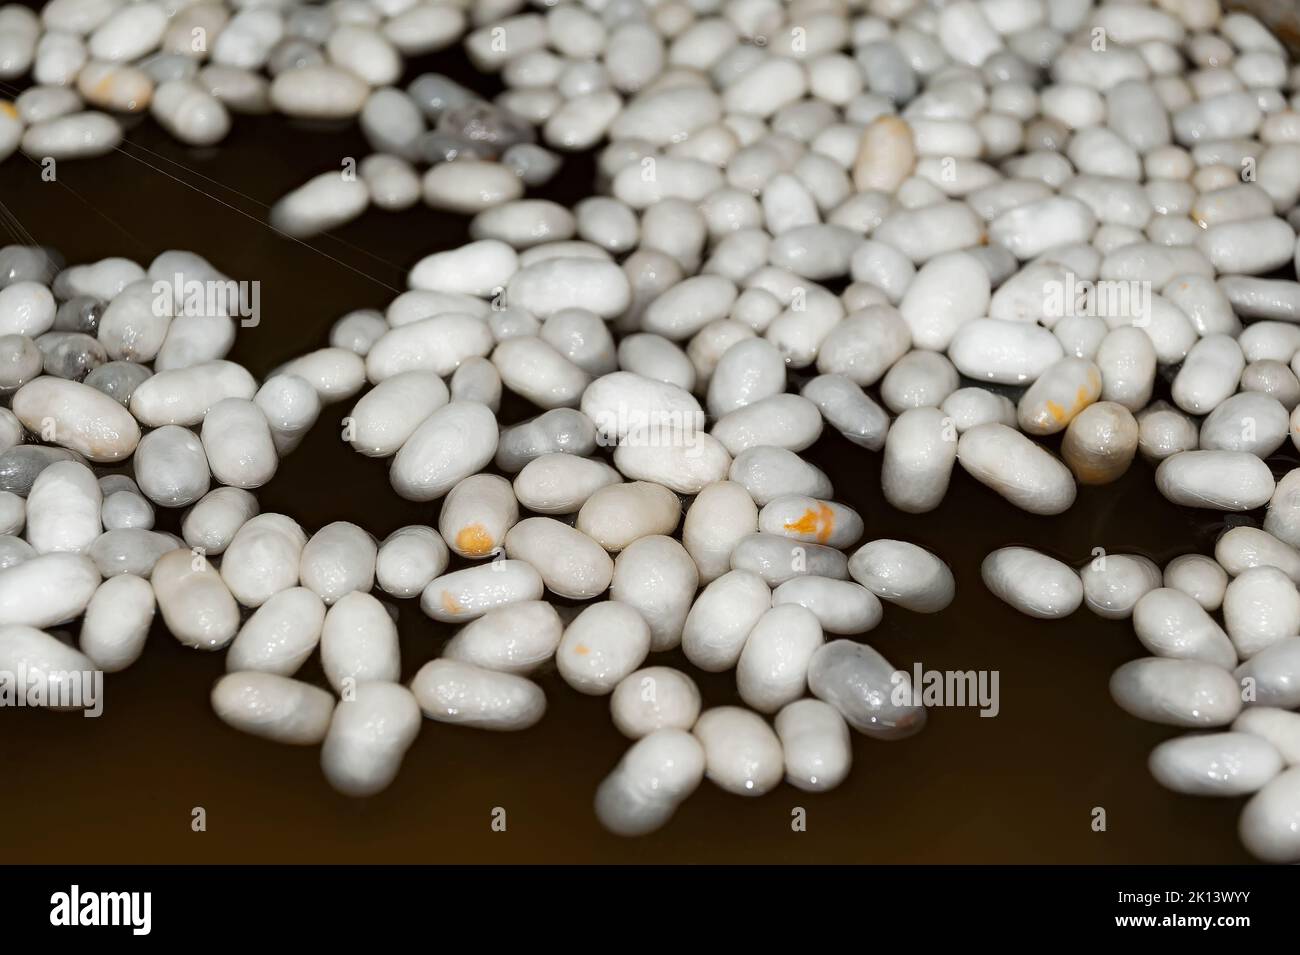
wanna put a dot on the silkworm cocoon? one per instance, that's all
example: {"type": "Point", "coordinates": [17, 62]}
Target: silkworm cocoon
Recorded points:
{"type": "Point", "coordinates": [477, 380]}
{"type": "Point", "coordinates": [47, 589]}
{"type": "Point", "coordinates": [571, 563]}
{"type": "Point", "coordinates": [1248, 422]}
{"type": "Point", "coordinates": [721, 618]}
{"type": "Point", "coordinates": [1198, 576]}
{"type": "Point", "coordinates": [1171, 623]}
{"type": "Point", "coordinates": [1033, 583]}
{"type": "Point", "coordinates": [1016, 468]}
{"type": "Point", "coordinates": [517, 638]}
{"type": "Point", "coordinates": [467, 594]}
{"type": "Point", "coordinates": [927, 231]}
{"type": "Point", "coordinates": [654, 356]}
{"type": "Point", "coordinates": [688, 306]}
{"type": "Point", "coordinates": [1267, 827]}
{"type": "Point", "coordinates": [864, 345]}
{"type": "Point", "coordinates": [1278, 727]}
{"type": "Point", "coordinates": [1204, 304]}
{"type": "Point", "coordinates": [1260, 608]}
{"type": "Point", "coordinates": [63, 509]}
{"type": "Point", "coordinates": [238, 444]}
{"type": "Point", "coordinates": [280, 635]}
{"type": "Point", "coordinates": [195, 603]}
{"type": "Point", "coordinates": [652, 779]}
{"type": "Point", "coordinates": [368, 736]}
{"type": "Point", "coordinates": [77, 416]}
{"type": "Point", "coordinates": [873, 697]}
{"type": "Point", "coordinates": [815, 742]}
{"type": "Point", "coordinates": [54, 671]}
{"type": "Point", "coordinates": [130, 551]}
{"type": "Point", "coordinates": [849, 410]}
{"type": "Point", "coordinates": [263, 558]}
{"type": "Point", "coordinates": [559, 483]}
{"type": "Point", "coordinates": [476, 268]}
{"type": "Point", "coordinates": [683, 460]}
{"type": "Point", "coordinates": [777, 558]}
{"type": "Point", "coordinates": [654, 698]}
{"type": "Point", "coordinates": [437, 344]}
{"type": "Point", "coordinates": [783, 421]}
{"type": "Point", "coordinates": [212, 523]}
{"type": "Point", "coordinates": [840, 605]}
{"type": "Point", "coordinates": [552, 285]}
{"type": "Point", "coordinates": [560, 430]}
{"type": "Point", "coordinates": [476, 514]}
{"type": "Point", "coordinates": [409, 559]}
{"type": "Point", "coordinates": [773, 666]}
{"type": "Point", "coordinates": [1060, 393]}
{"type": "Point", "coordinates": [811, 520]}
{"type": "Point", "coordinates": [905, 574]}
{"type": "Point", "coordinates": [533, 369]}
{"type": "Point", "coordinates": [970, 407]}
{"type": "Point", "coordinates": [1243, 547]}
{"type": "Point", "coordinates": [171, 466]}
{"type": "Point", "coordinates": [358, 643]}
{"type": "Point", "coordinates": [457, 440]}
{"type": "Point", "coordinates": [1215, 764]}
{"type": "Point", "coordinates": [920, 450]}
{"type": "Point", "coordinates": [603, 644]}
{"type": "Point", "coordinates": [741, 752]}
{"type": "Point", "coordinates": [1164, 431]}
{"type": "Point", "coordinates": [388, 414]}
{"type": "Point", "coordinates": [948, 291]}
{"type": "Point", "coordinates": [1274, 674]}
{"type": "Point", "coordinates": [1008, 353]}
{"type": "Point", "coordinates": [117, 622]}
{"type": "Point", "coordinates": [1274, 379]}
{"type": "Point", "coordinates": [1220, 480]}
{"type": "Point", "coordinates": [291, 406]}
{"type": "Point", "coordinates": [1127, 361]}
{"type": "Point", "coordinates": [1209, 374]}
{"type": "Point", "coordinates": [451, 691]}
{"type": "Point", "coordinates": [273, 707]}
{"type": "Point", "coordinates": [658, 577]}
{"type": "Point", "coordinates": [721, 514]}
{"type": "Point", "coordinates": [1248, 247]}
{"type": "Point", "coordinates": [920, 379]}
{"type": "Point", "coordinates": [1100, 442]}
{"type": "Point", "coordinates": [1174, 692]}
{"type": "Point", "coordinates": [622, 402]}
{"type": "Point", "coordinates": [1114, 583]}
{"type": "Point", "coordinates": [124, 509]}
{"type": "Point", "coordinates": [337, 560]}
{"type": "Point", "coordinates": [616, 515]}
{"type": "Point", "coordinates": [183, 396]}
{"type": "Point", "coordinates": [769, 473]}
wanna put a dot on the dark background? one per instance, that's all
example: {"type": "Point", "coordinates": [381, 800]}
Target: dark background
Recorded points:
{"type": "Point", "coordinates": [1017, 788]}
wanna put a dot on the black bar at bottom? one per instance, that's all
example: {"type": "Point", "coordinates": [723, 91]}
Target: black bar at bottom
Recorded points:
{"type": "Point", "coordinates": [262, 903]}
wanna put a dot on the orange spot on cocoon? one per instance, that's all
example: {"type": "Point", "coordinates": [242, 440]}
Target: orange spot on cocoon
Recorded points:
{"type": "Point", "coordinates": [451, 604]}
{"type": "Point", "coordinates": [581, 650]}
{"type": "Point", "coordinates": [473, 540]}
{"type": "Point", "coordinates": [807, 524]}
{"type": "Point", "coordinates": [8, 109]}
{"type": "Point", "coordinates": [819, 522]}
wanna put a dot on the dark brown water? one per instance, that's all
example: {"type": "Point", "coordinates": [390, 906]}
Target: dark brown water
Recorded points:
{"type": "Point", "coordinates": [1020, 787]}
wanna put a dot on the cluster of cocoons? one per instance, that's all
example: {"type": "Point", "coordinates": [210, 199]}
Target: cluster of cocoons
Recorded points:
{"type": "Point", "coordinates": [944, 231]}
{"type": "Point", "coordinates": [191, 64]}
{"type": "Point", "coordinates": [756, 579]}
{"type": "Point", "coordinates": [1224, 637]}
